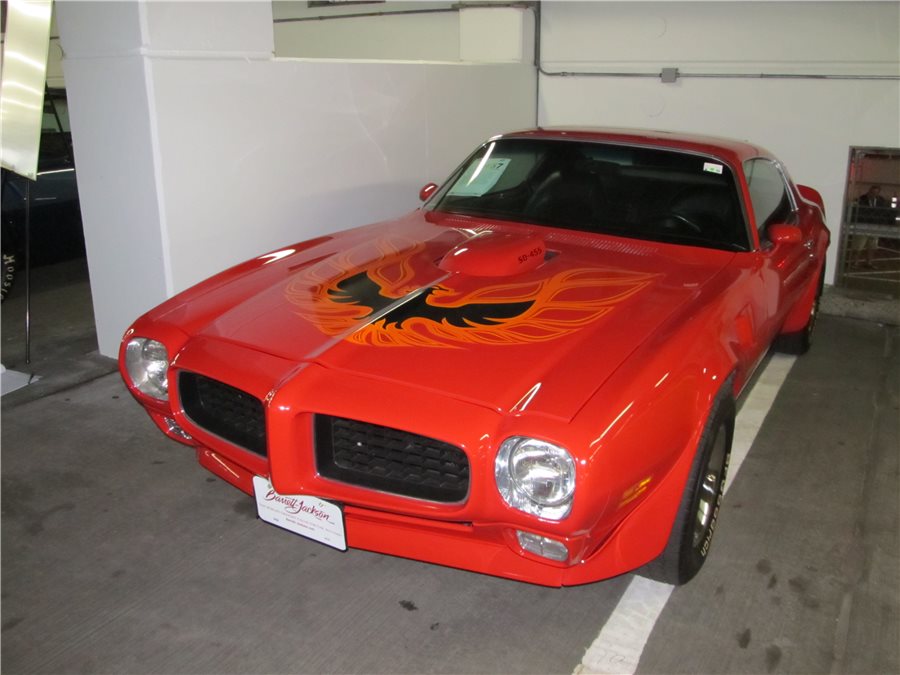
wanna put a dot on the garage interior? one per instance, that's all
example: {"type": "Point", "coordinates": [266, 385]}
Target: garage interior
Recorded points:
{"type": "Point", "coordinates": [205, 133]}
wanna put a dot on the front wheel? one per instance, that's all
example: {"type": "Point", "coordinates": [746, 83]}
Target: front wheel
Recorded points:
{"type": "Point", "coordinates": [698, 512]}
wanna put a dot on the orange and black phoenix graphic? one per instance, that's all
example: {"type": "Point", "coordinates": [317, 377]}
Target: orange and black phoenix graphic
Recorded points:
{"type": "Point", "coordinates": [361, 290]}
{"type": "Point", "coordinates": [378, 303]}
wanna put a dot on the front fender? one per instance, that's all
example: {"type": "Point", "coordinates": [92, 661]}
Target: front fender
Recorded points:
{"type": "Point", "coordinates": [649, 418]}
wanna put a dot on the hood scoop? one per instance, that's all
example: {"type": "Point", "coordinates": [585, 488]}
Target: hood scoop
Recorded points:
{"type": "Point", "coordinates": [493, 254]}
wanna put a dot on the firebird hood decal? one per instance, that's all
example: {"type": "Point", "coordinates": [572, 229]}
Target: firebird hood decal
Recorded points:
{"type": "Point", "coordinates": [379, 303]}
{"type": "Point", "coordinates": [361, 290]}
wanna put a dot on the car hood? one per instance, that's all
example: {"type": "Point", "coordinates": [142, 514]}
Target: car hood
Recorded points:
{"type": "Point", "coordinates": [506, 316]}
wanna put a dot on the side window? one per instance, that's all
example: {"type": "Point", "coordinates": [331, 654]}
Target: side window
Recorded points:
{"type": "Point", "coordinates": [771, 200]}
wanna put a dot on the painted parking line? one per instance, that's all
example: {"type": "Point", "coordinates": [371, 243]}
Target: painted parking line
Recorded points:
{"type": "Point", "coordinates": [618, 648]}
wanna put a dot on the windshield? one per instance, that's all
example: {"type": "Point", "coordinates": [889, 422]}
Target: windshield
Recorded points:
{"type": "Point", "coordinates": [630, 191]}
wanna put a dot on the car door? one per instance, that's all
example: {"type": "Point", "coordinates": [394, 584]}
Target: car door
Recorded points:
{"type": "Point", "coordinates": [784, 246]}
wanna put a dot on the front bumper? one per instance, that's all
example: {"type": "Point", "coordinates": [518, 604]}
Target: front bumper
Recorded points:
{"type": "Point", "coordinates": [477, 534]}
{"type": "Point", "coordinates": [486, 548]}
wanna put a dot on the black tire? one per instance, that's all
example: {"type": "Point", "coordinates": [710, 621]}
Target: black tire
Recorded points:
{"type": "Point", "coordinates": [698, 512]}
{"type": "Point", "coordinates": [799, 343]}
{"type": "Point", "coordinates": [8, 278]}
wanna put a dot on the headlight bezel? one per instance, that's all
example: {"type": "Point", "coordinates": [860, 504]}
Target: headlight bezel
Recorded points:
{"type": "Point", "coordinates": [147, 364]}
{"type": "Point", "coordinates": [536, 477]}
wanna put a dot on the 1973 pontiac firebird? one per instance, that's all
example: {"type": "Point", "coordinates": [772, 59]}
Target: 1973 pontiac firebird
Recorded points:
{"type": "Point", "coordinates": [532, 376]}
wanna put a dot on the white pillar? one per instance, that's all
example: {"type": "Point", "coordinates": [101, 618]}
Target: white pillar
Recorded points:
{"type": "Point", "coordinates": [109, 52]}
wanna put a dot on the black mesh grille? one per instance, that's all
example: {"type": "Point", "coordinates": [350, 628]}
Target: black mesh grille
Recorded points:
{"type": "Point", "coordinates": [223, 410]}
{"type": "Point", "coordinates": [390, 460]}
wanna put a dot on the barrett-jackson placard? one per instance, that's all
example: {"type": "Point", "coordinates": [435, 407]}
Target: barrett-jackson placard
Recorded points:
{"type": "Point", "coordinates": [307, 516]}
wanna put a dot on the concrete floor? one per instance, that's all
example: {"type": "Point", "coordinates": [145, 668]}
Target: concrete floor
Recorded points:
{"type": "Point", "coordinates": [120, 554]}
{"type": "Point", "coordinates": [63, 339]}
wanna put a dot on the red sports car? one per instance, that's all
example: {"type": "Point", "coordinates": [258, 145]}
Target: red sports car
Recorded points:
{"type": "Point", "coordinates": [532, 376]}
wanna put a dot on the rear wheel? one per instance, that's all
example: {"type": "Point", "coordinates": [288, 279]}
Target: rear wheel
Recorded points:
{"type": "Point", "coordinates": [698, 513]}
{"type": "Point", "coordinates": [800, 342]}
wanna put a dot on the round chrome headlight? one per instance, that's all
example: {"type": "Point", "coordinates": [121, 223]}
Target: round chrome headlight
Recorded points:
{"type": "Point", "coordinates": [536, 477]}
{"type": "Point", "coordinates": [147, 363]}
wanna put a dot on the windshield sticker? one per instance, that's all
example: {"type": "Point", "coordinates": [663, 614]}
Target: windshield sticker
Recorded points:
{"type": "Point", "coordinates": [712, 167]}
{"type": "Point", "coordinates": [479, 178]}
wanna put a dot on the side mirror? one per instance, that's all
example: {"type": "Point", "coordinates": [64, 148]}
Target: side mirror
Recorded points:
{"type": "Point", "coordinates": [427, 191]}
{"type": "Point", "coordinates": [783, 234]}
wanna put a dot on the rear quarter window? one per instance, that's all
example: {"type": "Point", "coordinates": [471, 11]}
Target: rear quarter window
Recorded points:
{"type": "Point", "coordinates": [768, 192]}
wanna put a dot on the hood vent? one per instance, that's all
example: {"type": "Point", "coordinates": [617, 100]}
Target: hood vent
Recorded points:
{"type": "Point", "coordinates": [494, 254]}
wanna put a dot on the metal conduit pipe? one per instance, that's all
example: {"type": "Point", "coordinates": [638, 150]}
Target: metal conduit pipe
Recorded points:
{"type": "Point", "coordinates": [673, 74]}
{"type": "Point", "coordinates": [359, 15]}
{"type": "Point", "coordinates": [434, 10]}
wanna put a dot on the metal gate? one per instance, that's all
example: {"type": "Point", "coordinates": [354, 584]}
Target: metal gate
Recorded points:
{"type": "Point", "coordinates": [869, 252]}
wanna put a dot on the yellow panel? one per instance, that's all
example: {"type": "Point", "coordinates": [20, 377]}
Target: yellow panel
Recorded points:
{"type": "Point", "coordinates": [22, 87]}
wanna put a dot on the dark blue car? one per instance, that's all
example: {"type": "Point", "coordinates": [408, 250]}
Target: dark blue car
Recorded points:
{"type": "Point", "coordinates": [56, 231]}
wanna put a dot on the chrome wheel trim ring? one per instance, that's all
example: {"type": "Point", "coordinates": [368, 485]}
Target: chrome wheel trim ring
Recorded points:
{"type": "Point", "coordinates": [710, 491]}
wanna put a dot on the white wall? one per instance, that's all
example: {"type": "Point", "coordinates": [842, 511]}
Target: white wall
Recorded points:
{"type": "Point", "coordinates": [197, 149]}
{"type": "Point", "coordinates": [809, 123]}
{"type": "Point", "coordinates": [294, 149]}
